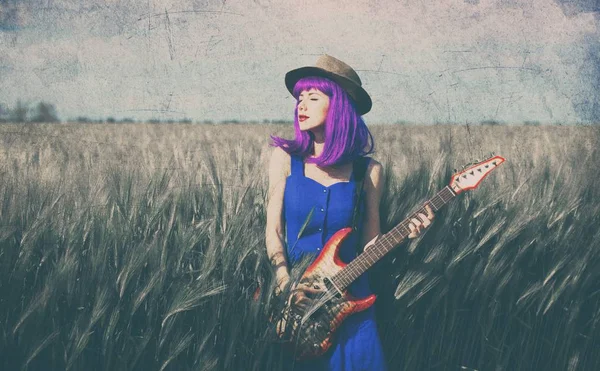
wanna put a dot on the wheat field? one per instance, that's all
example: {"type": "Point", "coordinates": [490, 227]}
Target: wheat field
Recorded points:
{"type": "Point", "coordinates": [140, 247]}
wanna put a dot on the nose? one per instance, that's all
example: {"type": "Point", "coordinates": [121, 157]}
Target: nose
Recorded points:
{"type": "Point", "coordinates": [301, 106]}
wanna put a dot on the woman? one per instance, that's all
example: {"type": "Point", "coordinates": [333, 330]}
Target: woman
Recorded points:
{"type": "Point", "coordinates": [314, 171]}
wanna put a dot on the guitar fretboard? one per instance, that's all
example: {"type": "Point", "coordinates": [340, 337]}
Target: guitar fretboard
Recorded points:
{"type": "Point", "coordinates": [387, 242]}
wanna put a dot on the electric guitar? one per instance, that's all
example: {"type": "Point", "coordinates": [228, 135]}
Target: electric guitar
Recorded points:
{"type": "Point", "coordinates": [312, 332]}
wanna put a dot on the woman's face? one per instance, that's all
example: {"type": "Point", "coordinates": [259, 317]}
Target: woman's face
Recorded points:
{"type": "Point", "coordinates": [313, 106]}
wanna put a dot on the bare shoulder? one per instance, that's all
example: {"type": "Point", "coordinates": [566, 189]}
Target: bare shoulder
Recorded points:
{"type": "Point", "coordinates": [375, 172]}
{"type": "Point", "coordinates": [374, 191]}
{"type": "Point", "coordinates": [280, 162]}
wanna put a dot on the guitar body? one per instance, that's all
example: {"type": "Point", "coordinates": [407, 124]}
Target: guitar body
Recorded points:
{"type": "Point", "coordinates": [312, 338]}
{"type": "Point", "coordinates": [312, 332]}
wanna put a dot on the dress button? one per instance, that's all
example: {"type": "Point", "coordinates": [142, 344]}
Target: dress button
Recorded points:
{"type": "Point", "coordinates": [325, 190]}
{"type": "Point", "coordinates": [322, 209]}
{"type": "Point", "coordinates": [320, 229]}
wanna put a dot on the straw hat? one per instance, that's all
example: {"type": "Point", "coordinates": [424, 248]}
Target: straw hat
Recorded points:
{"type": "Point", "coordinates": [338, 71]}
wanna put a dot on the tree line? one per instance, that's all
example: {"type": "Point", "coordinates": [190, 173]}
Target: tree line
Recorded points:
{"type": "Point", "coordinates": [21, 112]}
{"type": "Point", "coordinates": [43, 112]}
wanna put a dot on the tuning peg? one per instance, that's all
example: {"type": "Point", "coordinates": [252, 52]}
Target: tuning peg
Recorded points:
{"type": "Point", "coordinates": [455, 170]}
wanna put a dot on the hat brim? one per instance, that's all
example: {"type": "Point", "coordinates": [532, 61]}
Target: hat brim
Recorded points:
{"type": "Point", "coordinates": [361, 98]}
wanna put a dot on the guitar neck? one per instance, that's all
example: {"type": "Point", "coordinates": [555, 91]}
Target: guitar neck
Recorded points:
{"type": "Point", "coordinates": [387, 242]}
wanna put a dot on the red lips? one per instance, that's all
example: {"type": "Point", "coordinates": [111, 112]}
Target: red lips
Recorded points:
{"type": "Point", "coordinates": [302, 117]}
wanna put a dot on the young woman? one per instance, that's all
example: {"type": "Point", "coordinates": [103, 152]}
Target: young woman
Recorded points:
{"type": "Point", "coordinates": [314, 171]}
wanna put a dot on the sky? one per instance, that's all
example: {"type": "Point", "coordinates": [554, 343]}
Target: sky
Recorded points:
{"type": "Point", "coordinates": [435, 61]}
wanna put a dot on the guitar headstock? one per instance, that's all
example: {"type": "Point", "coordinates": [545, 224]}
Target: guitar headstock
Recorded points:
{"type": "Point", "coordinates": [473, 174]}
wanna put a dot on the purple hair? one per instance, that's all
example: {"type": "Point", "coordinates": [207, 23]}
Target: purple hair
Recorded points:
{"type": "Point", "coordinates": [346, 134]}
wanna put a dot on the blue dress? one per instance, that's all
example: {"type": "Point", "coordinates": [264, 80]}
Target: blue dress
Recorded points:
{"type": "Point", "coordinates": [356, 344]}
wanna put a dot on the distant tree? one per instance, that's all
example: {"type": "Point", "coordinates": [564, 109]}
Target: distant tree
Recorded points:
{"type": "Point", "coordinates": [154, 121]}
{"type": "Point", "coordinates": [185, 121]}
{"type": "Point", "coordinates": [531, 123]}
{"type": "Point", "coordinates": [19, 113]}
{"type": "Point", "coordinates": [111, 120]}
{"type": "Point", "coordinates": [83, 120]}
{"type": "Point", "coordinates": [281, 122]}
{"type": "Point", "coordinates": [44, 112]}
{"type": "Point", "coordinates": [490, 122]}
{"type": "Point", "coordinates": [4, 113]}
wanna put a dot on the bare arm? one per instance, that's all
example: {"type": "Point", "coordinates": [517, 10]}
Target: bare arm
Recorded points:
{"type": "Point", "coordinates": [373, 188]}
{"type": "Point", "coordinates": [279, 168]}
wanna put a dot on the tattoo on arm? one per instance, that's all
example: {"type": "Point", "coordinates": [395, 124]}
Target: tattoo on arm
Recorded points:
{"type": "Point", "coordinates": [278, 262]}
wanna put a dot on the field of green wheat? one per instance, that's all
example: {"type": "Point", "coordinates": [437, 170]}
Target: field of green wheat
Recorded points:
{"type": "Point", "coordinates": [140, 247]}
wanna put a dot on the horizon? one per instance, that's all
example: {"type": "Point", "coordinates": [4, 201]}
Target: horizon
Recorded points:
{"type": "Point", "coordinates": [83, 119]}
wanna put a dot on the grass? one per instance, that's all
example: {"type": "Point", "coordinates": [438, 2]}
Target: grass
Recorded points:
{"type": "Point", "coordinates": [129, 247]}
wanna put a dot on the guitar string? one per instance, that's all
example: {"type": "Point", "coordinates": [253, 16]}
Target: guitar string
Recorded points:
{"type": "Point", "coordinates": [345, 277]}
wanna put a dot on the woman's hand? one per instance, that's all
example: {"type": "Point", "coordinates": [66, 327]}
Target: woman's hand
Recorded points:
{"type": "Point", "coordinates": [303, 296]}
{"type": "Point", "coordinates": [417, 226]}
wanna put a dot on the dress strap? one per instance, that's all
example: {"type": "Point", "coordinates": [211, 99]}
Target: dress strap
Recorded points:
{"type": "Point", "coordinates": [360, 168]}
{"type": "Point", "coordinates": [297, 166]}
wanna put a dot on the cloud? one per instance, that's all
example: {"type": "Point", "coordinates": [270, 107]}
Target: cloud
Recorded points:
{"type": "Point", "coordinates": [586, 103]}
{"type": "Point", "coordinates": [13, 15]}
{"type": "Point", "coordinates": [573, 7]}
